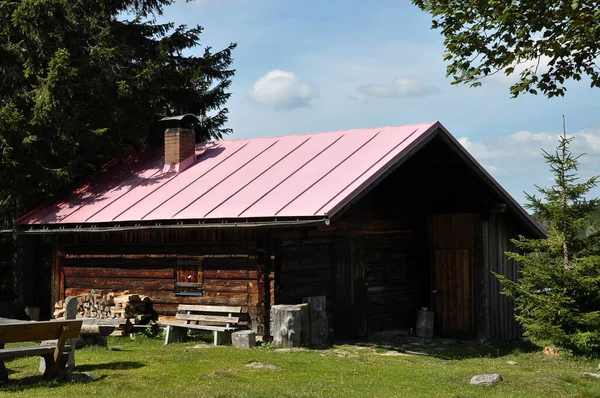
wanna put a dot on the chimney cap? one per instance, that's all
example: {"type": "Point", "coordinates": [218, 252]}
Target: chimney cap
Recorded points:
{"type": "Point", "coordinates": [180, 121]}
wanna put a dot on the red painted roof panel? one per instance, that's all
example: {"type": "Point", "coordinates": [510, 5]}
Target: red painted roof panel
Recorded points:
{"type": "Point", "coordinates": [306, 175]}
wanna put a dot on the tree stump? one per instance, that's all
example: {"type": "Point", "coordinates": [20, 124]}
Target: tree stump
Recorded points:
{"type": "Point", "coordinates": [287, 325]}
{"type": "Point", "coordinates": [319, 327]}
{"type": "Point", "coordinates": [243, 339]}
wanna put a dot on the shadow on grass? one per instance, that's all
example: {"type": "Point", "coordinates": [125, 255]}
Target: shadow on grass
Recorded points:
{"type": "Point", "coordinates": [122, 365]}
{"type": "Point", "coordinates": [34, 381]}
{"type": "Point", "coordinates": [440, 348]}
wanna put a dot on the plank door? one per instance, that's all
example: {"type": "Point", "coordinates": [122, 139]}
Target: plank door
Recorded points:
{"type": "Point", "coordinates": [452, 243]}
{"type": "Point", "coordinates": [350, 312]}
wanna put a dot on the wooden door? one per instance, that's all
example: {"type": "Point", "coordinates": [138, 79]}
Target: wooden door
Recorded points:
{"type": "Point", "coordinates": [350, 312]}
{"type": "Point", "coordinates": [452, 242]}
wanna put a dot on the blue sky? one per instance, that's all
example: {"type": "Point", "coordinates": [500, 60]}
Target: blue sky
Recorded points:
{"type": "Point", "coordinates": [305, 66]}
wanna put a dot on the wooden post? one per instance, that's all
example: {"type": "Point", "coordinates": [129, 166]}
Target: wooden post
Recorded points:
{"type": "Point", "coordinates": [319, 327]}
{"type": "Point", "coordinates": [47, 361]}
{"type": "Point", "coordinates": [54, 368]}
{"type": "Point", "coordinates": [221, 337]}
{"type": "Point", "coordinates": [3, 370]}
{"type": "Point", "coordinates": [174, 334]}
{"type": "Point", "coordinates": [71, 304]}
{"type": "Point", "coordinates": [287, 325]}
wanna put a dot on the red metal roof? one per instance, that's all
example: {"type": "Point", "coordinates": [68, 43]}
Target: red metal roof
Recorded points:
{"type": "Point", "coordinates": [306, 175]}
{"type": "Point", "coordinates": [295, 176]}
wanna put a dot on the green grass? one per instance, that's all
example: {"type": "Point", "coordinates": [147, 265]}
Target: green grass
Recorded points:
{"type": "Point", "coordinates": [146, 368]}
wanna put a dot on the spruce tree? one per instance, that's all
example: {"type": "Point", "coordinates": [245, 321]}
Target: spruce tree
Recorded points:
{"type": "Point", "coordinates": [81, 81]}
{"type": "Point", "coordinates": [557, 295]}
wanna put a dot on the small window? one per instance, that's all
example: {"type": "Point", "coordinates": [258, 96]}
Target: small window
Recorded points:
{"type": "Point", "coordinates": [189, 280]}
{"type": "Point", "coordinates": [395, 266]}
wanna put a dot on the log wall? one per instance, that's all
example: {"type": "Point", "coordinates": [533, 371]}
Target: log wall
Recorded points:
{"type": "Point", "coordinates": [397, 278]}
{"type": "Point", "coordinates": [145, 262]}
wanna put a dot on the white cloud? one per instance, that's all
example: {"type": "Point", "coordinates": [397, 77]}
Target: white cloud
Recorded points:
{"type": "Point", "coordinates": [516, 160]}
{"type": "Point", "coordinates": [537, 66]}
{"type": "Point", "coordinates": [281, 89]}
{"type": "Point", "coordinates": [401, 87]}
{"type": "Point", "coordinates": [525, 144]}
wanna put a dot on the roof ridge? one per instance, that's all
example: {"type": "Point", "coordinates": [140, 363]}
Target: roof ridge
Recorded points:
{"type": "Point", "coordinates": [328, 132]}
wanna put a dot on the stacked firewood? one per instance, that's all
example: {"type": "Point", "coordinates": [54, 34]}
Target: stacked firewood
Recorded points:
{"type": "Point", "coordinates": [111, 306]}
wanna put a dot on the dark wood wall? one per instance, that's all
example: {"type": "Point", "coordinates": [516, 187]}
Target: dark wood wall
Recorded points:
{"type": "Point", "coordinates": [370, 264]}
{"type": "Point", "coordinates": [397, 277]}
{"type": "Point", "coordinates": [497, 320]}
{"type": "Point", "coordinates": [232, 267]}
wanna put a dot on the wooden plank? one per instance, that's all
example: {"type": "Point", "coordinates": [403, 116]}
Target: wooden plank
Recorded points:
{"type": "Point", "coordinates": [139, 284]}
{"type": "Point", "coordinates": [169, 297]}
{"type": "Point", "coordinates": [188, 284]}
{"type": "Point", "coordinates": [211, 308]}
{"type": "Point", "coordinates": [202, 327]}
{"type": "Point", "coordinates": [19, 352]}
{"type": "Point", "coordinates": [230, 274]}
{"type": "Point", "coordinates": [469, 293]}
{"type": "Point", "coordinates": [207, 318]}
{"type": "Point", "coordinates": [164, 273]}
{"type": "Point", "coordinates": [120, 256]}
{"type": "Point", "coordinates": [151, 263]}
{"type": "Point", "coordinates": [31, 331]}
{"type": "Point", "coordinates": [230, 285]}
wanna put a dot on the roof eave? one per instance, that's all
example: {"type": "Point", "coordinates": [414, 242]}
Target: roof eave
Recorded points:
{"type": "Point", "coordinates": [150, 226]}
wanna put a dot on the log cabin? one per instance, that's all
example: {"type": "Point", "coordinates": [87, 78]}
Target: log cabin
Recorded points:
{"type": "Point", "coordinates": [381, 221]}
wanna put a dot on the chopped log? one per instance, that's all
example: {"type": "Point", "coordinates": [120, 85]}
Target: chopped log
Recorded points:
{"type": "Point", "coordinates": [98, 330]}
{"type": "Point", "coordinates": [319, 327]}
{"type": "Point", "coordinates": [287, 325]}
{"type": "Point", "coordinates": [125, 306]}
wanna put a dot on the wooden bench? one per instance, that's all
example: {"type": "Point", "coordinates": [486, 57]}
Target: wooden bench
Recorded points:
{"type": "Point", "coordinates": [55, 355]}
{"type": "Point", "coordinates": [221, 320]}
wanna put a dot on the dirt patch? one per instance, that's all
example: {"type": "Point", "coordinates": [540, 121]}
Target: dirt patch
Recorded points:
{"type": "Point", "coordinates": [262, 365]}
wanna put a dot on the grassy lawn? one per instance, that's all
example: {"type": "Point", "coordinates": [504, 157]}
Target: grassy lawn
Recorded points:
{"type": "Point", "coordinates": [144, 367]}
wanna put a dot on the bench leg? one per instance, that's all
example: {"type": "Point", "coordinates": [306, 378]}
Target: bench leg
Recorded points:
{"type": "Point", "coordinates": [47, 366]}
{"type": "Point", "coordinates": [46, 362]}
{"type": "Point", "coordinates": [174, 333]}
{"type": "Point", "coordinates": [3, 372]}
{"type": "Point", "coordinates": [222, 337]}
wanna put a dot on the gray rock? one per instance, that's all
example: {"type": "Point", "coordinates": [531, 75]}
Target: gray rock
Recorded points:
{"type": "Point", "coordinates": [396, 354]}
{"type": "Point", "coordinates": [589, 374]}
{"type": "Point", "coordinates": [262, 365]}
{"type": "Point", "coordinates": [511, 363]}
{"type": "Point", "coordinates": [83, 377]}
{"type": "Point", "coordinates": [197, 346]}
{"type": "Point", "coordinates": [291, 349]}
{"type": "Point", "coordinates": [486, 379]}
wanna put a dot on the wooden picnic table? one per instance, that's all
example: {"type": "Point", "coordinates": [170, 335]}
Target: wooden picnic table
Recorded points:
{"type": "Point", "coordinates": [14, 331]}
{"type": "Point", "coordinates": [3, 370]}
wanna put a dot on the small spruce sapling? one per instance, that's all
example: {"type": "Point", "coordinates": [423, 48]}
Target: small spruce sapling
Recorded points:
{"type": "Point", "coordinates": [557, 295]}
